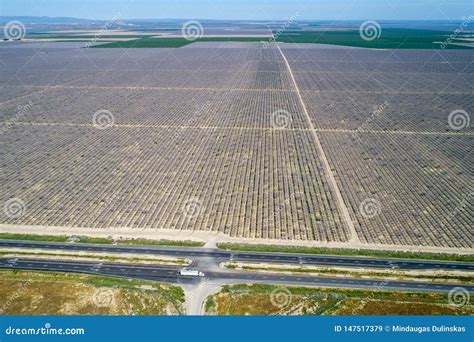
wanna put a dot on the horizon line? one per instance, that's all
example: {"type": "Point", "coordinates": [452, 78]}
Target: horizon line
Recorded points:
{"type": "Point", "coordinates": [248, 20]}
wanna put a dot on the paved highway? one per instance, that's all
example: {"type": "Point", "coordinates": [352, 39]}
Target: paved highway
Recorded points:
{"type": "Point", "coordinates": [171, 274]}
{"type": "Point", "coordinates": [220, 255]}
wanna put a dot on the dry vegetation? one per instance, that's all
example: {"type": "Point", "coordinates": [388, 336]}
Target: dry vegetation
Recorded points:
{"type": "Point", "coordinates": [49, 293]}
{"type": "Point", "coordinates": [259, 300]}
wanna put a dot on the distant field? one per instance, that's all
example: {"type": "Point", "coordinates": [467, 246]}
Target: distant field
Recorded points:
{"type": "Point", "coordinates": [147, 43]}
{"type": "Point", "coordinates": [276, 300]}
{"type": "Point", "coordinates": [390, 38]}
{"type": "Point", "coordinates": [50, 293]}
{"type": "Point", "coordinates": [173, 42]}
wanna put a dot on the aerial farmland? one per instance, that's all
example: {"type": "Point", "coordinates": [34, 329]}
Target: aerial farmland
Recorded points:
{"type": "Point", "coordinates": [288, 143]}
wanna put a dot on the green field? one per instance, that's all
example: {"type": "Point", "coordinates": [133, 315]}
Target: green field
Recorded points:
{"type": "Point", "coordinates": [91, 36]}
{"type": "Point", "coordinates": [390, 38]}
{"type": "Point", "coordinates": [172, 42]}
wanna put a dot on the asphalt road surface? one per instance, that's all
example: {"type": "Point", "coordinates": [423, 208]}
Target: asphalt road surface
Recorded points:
{"type": "Point", "coordinates": [222, 255]}
{"type": "Point", "coordinates": [171, 274]}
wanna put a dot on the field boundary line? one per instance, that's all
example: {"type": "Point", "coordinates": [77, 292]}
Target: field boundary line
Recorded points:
{"type": "Point", "coordinates": [340, 130]}
{"type": "Point", "coordinates": [237, 128]}
{"type": "Point", "coordinates": [46, 87]}
{"type": "Point", "coordinates": [340, 201]}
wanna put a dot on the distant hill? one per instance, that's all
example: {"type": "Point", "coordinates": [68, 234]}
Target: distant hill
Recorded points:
{"type": "Point", "coordinates": [44, 20]}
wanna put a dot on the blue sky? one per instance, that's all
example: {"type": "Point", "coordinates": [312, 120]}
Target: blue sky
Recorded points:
{"type": "Point", "coordinates": [243, 9]}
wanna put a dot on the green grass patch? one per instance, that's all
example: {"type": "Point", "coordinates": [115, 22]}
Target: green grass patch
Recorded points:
{"type": "Point", "coordinates": [161, 243]}
{"type": "Point", "coordinates": [390, 38]}
{"type": "Point", "coordinates": [164, 42]}
{"type": "Point", "coordinates": [98, 240]}
{"type": "Point", "coordinates": [346, 252]}
{"type": "Point", "coordinates": [146, 43]}
{"type": "Point", "coordinates": [33, 237]}
{"type": "Point", "coordinates": [210, 304]}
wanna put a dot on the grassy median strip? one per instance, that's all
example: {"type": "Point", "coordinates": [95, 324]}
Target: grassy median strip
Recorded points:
{"type": "Point", "coordinates": [161, 243]}
{"type": "Point", "coordinates": [47, 254]}
{"type": "Point", "coordinates": [346, 252]}
{"type": "Point", "coordinates": [33, 237]}
{"type": "Point", "coordinates": [380, 274]}
{"type": "Point", "coordinates": [97, 240]}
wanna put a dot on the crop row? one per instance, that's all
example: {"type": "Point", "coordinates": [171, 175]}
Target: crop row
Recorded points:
{"type": "Point", "coordinates": [315, 53]}
{"type": "Point", "coordinates": [161, 107]}
{"type": "Point", "coordinates": [384, 82]}
{"type": "Point", "coordinates": [259, 184]}
{"type": "Point", "coordinates": [385, 112]}
{"type": "Point", "coordinates": [420, 188]}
